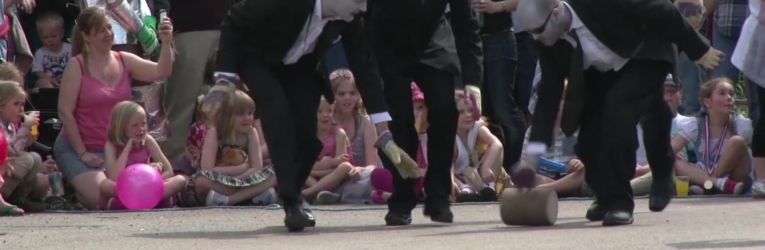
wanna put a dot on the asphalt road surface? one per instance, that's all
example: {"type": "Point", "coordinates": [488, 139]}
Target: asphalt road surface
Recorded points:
{"type": "Point", "coordinates": [707, 223]}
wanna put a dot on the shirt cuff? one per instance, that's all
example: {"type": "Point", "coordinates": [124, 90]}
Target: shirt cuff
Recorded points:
{"type": "Point", "coordinates": [229, 74]}
{"type": "Point", "coordinates": [380, 117]}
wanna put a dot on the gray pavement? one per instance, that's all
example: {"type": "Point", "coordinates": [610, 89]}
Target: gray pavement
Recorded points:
{"type": "Point", "coordinates": [708, 223]}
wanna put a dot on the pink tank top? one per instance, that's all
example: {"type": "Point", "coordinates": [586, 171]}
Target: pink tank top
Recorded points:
{"type": "Point", "coordinates": [138, 154]}
{"type": "Point", "coordinates": [329, 145]}
{"type": "Point", "coordinates": [95, 103]}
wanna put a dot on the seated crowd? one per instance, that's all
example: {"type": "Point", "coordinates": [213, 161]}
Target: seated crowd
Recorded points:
{"type": "Point", "coordinates": [227, 161]}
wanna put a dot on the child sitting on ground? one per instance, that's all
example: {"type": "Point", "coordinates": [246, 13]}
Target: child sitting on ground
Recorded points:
{"type": "Point", "coordinates": [478, 156]}
{"type": "Point", "coordinates": [720, 138]}
{"type": "Point", "coordinates": [333, 164]}
{"type": "Point", "coordinates": [382, 179]}
{"type": "Point", "coordinates": [19, 171]}
{"type": "Point", "coordinates": [188, 164]}
{"type": "Point", "coordinates": [232, 170]}
{"type": "Point", "coordinates": [352, 118]}
{"type": "Point", "coordinates": [129, 143]}
{"type": "Point", "coordinates": [50, 60]}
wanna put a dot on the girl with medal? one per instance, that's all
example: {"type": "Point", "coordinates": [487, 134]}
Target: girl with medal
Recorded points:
{"type": "Point", "coordinates": [720, 137]}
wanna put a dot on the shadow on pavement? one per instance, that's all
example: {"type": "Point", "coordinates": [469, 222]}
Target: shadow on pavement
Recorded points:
{"type": "Point", "coordinates": [280, 230]}
{"type": "Point", "coordinates": [717, 244]}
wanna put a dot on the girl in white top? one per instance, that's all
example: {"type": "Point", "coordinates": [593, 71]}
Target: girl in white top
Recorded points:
{"type": "Point", "coordinates": [749, 57]}
{"type": "Point", "coordinates": [478, 161]}
{"type": "Point", "coordinates": [721, 140]}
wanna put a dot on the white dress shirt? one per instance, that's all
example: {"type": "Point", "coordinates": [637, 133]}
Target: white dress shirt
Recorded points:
{"type": "Point", "coordinates": [595, 53]}
{"type": "Point", "coordinates": [306, 41]}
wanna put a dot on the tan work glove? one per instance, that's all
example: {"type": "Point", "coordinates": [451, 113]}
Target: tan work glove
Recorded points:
{"type": "Point", "coordinates": [711, 59]}
{"type": "Point", "coordinates": [407, 167]}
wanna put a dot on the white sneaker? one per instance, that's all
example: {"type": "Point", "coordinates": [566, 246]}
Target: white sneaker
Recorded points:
{"type": "Point", "coordinates": [758, 189]}
{"type": "Point", "coordinates": [327, 198]}
{"type": "Point", "coordinates": [266, 198]}
{"type": "Point", "coordinates": [216, 199]}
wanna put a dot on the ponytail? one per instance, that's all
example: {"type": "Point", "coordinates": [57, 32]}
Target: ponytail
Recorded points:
{"type": "Point", "coordinates": [78, 43]}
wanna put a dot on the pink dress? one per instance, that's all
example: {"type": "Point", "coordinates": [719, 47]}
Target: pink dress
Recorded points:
{"type": "Point", "coordinates": [329, 143]}
{"type": "Point", "coordinates": [138, 154]}
{"type": "Point", "coordinates": [95, 103]}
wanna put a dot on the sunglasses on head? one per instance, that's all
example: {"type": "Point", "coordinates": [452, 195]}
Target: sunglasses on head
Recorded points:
{"type": "Point", "coordinates": [542, 27]}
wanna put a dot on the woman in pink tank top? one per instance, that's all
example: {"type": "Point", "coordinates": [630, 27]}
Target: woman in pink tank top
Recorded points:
{"type": "Point", "coordinates": [91, 86]}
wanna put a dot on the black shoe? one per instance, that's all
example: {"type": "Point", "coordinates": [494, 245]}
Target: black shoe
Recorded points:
{"type": "Point", "coordinates": [662, 191]}
{"type": "Point", "coordinates": [440, 214]}
{"type": "Point", "coordinates": [596, 212]}
{"type": "Point", "coordinates": [296, 218]}
{"type": "Point", "coordinates": [397, 219]}
{"type": "Point", "coordinates": [307, 210]}
{"type": "Point", "coordinates": [488, 194]}
{"type": "Point", "coordinates": [617, 218]}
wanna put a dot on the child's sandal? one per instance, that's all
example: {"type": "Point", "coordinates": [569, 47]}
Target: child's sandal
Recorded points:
{"type": "Point", "coordinates": [11, 210]}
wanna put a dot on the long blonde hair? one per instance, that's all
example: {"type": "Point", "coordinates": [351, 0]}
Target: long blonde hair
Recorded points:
{"type": "Point", "coordinates": [340, 76]}
{"type": "Point", "coordinates": [120, 118]}
{"type": "Point", "coordinates": [88, 21]}
{"type": "Point", "coordinates": [240, 104]}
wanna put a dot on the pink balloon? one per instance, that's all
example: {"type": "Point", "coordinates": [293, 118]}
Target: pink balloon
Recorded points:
{"type": "Point", "coordinates": [140, 187]}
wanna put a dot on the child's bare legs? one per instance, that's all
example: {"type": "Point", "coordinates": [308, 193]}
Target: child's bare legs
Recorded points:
{"type": "Point", "coordinates": [734, 160]}
{"type": "Point", "coordinates": [310, 182]}
{"type": "Point", "coordinates": [733, 164]}
{"type": "Point", "coordinates": [231, 195]}
{"type": "Point", "coordinates": [696, 175]}
{"type": "Point", "coordinates": [337, 176]}
{"type": "Point", "coordinates": [568, 184]}
{"type": "Point", "coordinates": [174, 185]}
{"type": "Point", "coordinates": [108, 188]}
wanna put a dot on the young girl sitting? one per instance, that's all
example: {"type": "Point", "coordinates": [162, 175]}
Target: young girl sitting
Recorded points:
{"type": "Point", "coordinates": [352, 118]}
{"type": "Point", "coordinates": [720, 138]}
{"type": "Point", "coordinates": [129, 143]}
{"type": "Point", "coordinates": [381, 178]}
{"type": "Point", "coordinates": [478, 156]}
{"type": "Point", "coordinates": [20, 168]}
{"type": "Point", "coordinates": [188, 164]}
{"type": "Point", "coordinates": [333, 164]}
{"type": "Point", "coordinates": [232, 170]}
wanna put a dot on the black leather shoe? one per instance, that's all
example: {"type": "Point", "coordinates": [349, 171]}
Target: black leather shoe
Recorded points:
{"type": "Point", "coordinates": [617, 218]}
{"type": "Point", "coordinates": [662, 191]}
{"type": "Point", "coordinates": [596, 212]}
{"type": "Point", "coordinates": [443, 214]}
{"type": "Point", "coordinates": [296, 218]}
{"type": "Point", "coordinates": [307, 210]}
{"type": "Point", "coordinates": [397, 219]}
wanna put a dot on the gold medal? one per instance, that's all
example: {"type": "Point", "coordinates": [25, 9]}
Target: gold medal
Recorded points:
{"type": "Point", "coordinates": [708, 185]}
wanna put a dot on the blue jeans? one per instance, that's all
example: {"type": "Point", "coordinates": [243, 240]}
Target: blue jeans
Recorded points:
{"type": "Point", "coordinates": [726, 44]}
{"type": "Point", "coordinates": [691, 76]}
{"type": "Point", "coordinates": [335, 58]}
{"type": "Point", "coordinates": [499, 92]}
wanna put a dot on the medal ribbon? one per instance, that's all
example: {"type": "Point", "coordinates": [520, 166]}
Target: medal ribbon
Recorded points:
{"type": "Point", "coordinates": [712, 165]}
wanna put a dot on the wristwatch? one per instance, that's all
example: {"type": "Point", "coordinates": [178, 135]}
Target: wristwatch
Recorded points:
{"type": "Point", "coordinates": [504, 6]}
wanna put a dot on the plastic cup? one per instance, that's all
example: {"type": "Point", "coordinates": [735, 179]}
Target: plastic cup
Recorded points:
{"type": "Point", "coordinates": [681, 185]}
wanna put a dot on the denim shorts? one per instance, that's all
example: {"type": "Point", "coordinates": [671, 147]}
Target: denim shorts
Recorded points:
{"type": "Point", "coordinates": [68, 161]}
